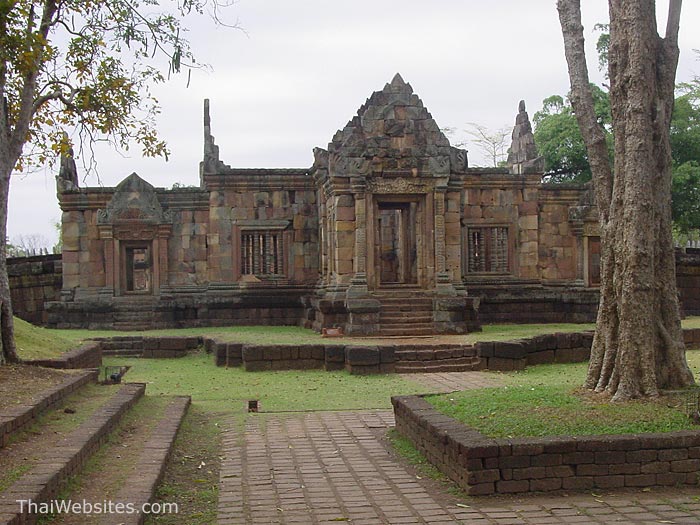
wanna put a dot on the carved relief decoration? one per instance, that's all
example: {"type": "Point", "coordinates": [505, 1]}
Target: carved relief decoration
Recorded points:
{"type": "Point", "coordinates": [399, 185]}
{"type": "Point", "coordinates": [134, 201]}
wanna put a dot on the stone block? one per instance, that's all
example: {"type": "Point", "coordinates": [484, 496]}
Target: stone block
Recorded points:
{"type": "Point", "coordinates": [509, 487]}
{"type": "Point", "coordinates": [545, 485]}
{"type": "Point", "coordinates": [363, 369]}
{"type": "Point", "coordinates": [335, 354]}
{"type": "Point", "coordinates": [252, 353]}
{"type": "Point", "coordinates": [509, 350]}
{"type": "Point", "coordinates": [362, 355]}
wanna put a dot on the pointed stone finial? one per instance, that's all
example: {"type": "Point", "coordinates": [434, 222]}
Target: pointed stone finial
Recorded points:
{"type": "Point", "coordinates": [67, 178]}
{"type": "Point", "coordinates": [397, 81]}
{"type": "Point", "coordinates": [523, 155]}
{"type": "Point", "coordinates": [211, 150]}
{"type": "Point", "coordinates": [207, 117]}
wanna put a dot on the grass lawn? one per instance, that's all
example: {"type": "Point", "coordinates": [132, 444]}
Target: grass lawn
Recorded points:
{"type": "Point", "coordinates": [542, 400]}
{"type": "Point", "coordinates": [220, 389]}
{"type": "Point", "coordinates": [34, 342]}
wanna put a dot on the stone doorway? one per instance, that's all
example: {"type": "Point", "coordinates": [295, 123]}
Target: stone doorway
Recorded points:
{"type": "Point", "coordinates": [137, 268]}
{"type": "Point", "coordinates": [397, 253]}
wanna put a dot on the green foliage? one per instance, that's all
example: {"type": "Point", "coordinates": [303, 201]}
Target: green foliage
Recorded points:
{"type": "Point", "coordinates": [602, 46]}
{"type": "Point", "coordinates": [685, 125]}
{"type": "Point", "coordinates": [685, 192]}
{"type": "Point", "coordinates": [88, 65]}
{"type": "Point", "coordinates": [559, 140]}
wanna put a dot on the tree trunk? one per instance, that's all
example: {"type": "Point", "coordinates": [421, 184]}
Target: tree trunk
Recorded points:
{"type": "Point", "coordinates": [638, 345]}
{"type": "Point", "coordinates": [7, 327]}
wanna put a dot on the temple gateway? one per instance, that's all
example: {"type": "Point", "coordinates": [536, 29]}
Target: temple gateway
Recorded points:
{"type": "Point", "coordinates": [388, 232]}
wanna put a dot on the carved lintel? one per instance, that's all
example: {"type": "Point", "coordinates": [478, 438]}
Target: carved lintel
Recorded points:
{"type": "Point", "coordinates": [399, 185]}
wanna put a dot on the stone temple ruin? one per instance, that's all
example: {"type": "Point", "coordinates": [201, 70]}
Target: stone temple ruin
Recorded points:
{"type": "Point", "coordinates": [388, 232]}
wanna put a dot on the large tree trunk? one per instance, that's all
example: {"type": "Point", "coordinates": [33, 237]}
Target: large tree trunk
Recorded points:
{"type": "Point", "coordinates": [7, 330]}
{"type": "Point", "coordinates": [638, 346]}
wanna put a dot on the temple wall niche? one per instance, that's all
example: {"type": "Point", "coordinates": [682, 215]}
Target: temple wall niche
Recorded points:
{"type": "Point", "coordinates": [83, 251]}
{"type": "Point", "coordinates": [511, 208]}
{"type": "Point", "coordinates": [343, 237]}
{"type": "Point", "coordinates": [453, 235]}
{"type": "Point", "coordinates": [291, 214]}
{"type": "Point", "coordinates": [187, 249]}
{"type": "Point", "coordinates": [558, 252]}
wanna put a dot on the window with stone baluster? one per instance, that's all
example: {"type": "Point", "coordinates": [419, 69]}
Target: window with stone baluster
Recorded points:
{"type": "Point", "coordinates": [262, 253]}
{"type": "Point", "coordinates": [488, 250]}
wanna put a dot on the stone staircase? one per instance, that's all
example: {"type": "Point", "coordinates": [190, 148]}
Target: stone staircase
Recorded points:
{"type": "Point", "coordinates": [43, 458]}
{"type": "Point", "coordinates": [137, 314]}
{"type": "Point", "coordinates": [437, 358]}
{"type": "Point", "coordinates": [405, 312]}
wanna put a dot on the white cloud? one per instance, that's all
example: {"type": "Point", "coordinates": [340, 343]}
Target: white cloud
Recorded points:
{"type": "Point", "coordinates": [305, 67]}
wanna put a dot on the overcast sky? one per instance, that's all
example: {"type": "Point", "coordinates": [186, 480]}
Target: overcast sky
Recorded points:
{"type": "Point", "coordinates": [303, 68]}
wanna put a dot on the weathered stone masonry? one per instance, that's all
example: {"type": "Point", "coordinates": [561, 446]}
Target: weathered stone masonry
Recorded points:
{"type": "Point", "coordinates": [390, 232]}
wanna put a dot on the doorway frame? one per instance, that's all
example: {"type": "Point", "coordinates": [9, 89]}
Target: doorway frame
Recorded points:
{"type": "Point", "coordinates": [424, 239]}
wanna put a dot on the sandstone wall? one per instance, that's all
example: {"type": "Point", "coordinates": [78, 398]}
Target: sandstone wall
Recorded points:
{"type": "Point", "coordinates": [33, 281]}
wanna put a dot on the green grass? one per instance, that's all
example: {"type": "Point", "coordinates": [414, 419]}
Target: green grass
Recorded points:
{"type": "Point", "coordinates": [194, 488]}
{"type": "Point", "coordinates": [226, 390]}
{"type": "Point", "coordinates": [505, 332]}
{"type": "Point", "coordinates": [542, 401]}
{"type": "Point", "coordinates": [34, 342]}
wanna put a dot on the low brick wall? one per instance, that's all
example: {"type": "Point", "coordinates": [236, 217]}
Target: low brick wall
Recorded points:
{"type": "Point", "coordinates": [353, 358]}
{"type": "Point", "coordinates": [482, 465]}
{"type": "Point", "coordinates": [67, 457]}
{"type": "Point", "coordinates": [572, 347]}
{"type": "Point", "coordinates": [16, 418]}
{"type": "Point", "coordinates": [88, 355]}
{"type": "Point", "coordinates": [140, 346]}
{"type": "Point", "coordinates": [282, 357]}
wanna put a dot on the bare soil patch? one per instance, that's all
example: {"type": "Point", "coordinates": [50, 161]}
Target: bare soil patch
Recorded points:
{"type": "Point", "coordinates": [20, 383]}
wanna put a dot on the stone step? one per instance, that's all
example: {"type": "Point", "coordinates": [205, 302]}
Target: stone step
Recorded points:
{"type": "Point", "coordinates": [407, 331]}
{"type": "Point", "coordinates": [133, 326]}
{"type": "Point", "coordinates": [407, 324]}
{"type": "Point", "coordinates": [18, 417]}
{"type": "Point", "coordinates": [433, 354]}
{"type": "Point", "coordinates": [445, 365]}
{"type": "Point", "coordinates": [405, 311]}
{"type": "Point", "coordinates": [411, 301]}
{"type": "Point", "coordinates": [66, 457]}
{"type": "Point", "coordinates": [405, 318]}
{"type": "Point", "coordinates": [147, 471]}
{"type": "Point", "coordinates": [123, 352]}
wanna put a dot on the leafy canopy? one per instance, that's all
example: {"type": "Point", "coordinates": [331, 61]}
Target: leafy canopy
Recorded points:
{"type": "Point", "coordinates": [87, 66]}
{"type": "Point", "coordinates": [559, 140]}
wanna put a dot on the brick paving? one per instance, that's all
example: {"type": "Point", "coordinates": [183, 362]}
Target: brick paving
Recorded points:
{"type": "Point", "coordinates": [442, 383]}
{"type": "Point", "coordinates": [330, 467]}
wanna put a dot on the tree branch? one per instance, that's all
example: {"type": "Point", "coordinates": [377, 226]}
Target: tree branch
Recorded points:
{"type": "Point", "coordinates": [674, 20]}
{"type": "Point", "coordinates": [25, 114]}
{"type": "Point", "coordinates": [582, 102]}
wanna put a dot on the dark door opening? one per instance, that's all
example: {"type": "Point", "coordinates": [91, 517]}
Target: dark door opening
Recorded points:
{"type": "Point", "coordinates": [138, 274]}
{"type": "Point", "coordinates": [397, 243]}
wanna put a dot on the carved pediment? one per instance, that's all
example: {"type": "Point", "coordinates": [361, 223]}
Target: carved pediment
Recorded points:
{"type": "Point", "coordinates": [134, 201]}
{"type": "Point", "coordinates": [393, 131]}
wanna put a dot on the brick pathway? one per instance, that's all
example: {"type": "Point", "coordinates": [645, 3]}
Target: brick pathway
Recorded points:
{"type": "Point", "coordinates": [452, 381]}
{"type": "Point", "coordinates": [330, 467]}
